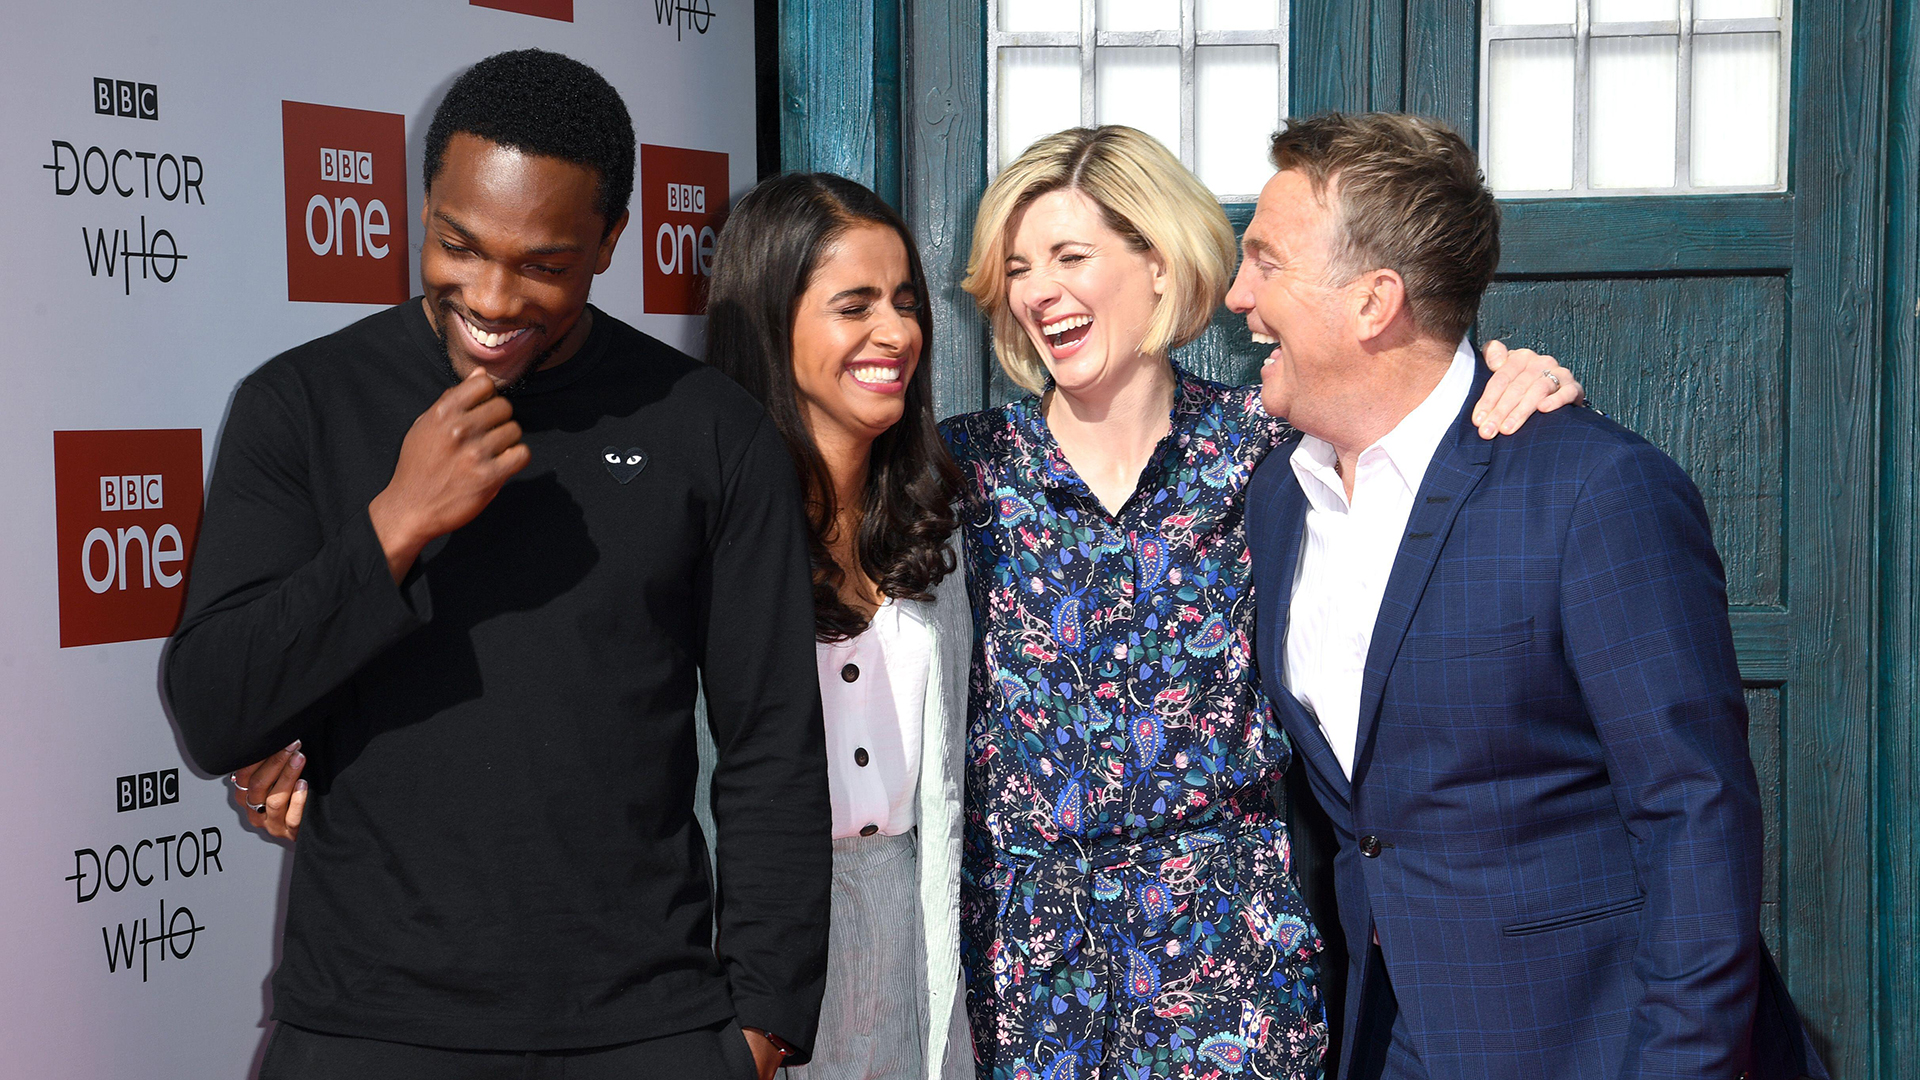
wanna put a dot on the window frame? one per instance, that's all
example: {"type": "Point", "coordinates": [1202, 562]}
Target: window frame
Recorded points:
{"type": "Point", "coordinates": [1089, 38]}
{"type": "Point", "coordinates": [1581, 32]}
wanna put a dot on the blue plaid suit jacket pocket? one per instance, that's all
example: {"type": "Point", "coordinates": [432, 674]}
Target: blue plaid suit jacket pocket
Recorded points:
{"type": "Point", "coordinates": [1472, 641]}
{"type": "Point", "coordinates": [1610, 910]}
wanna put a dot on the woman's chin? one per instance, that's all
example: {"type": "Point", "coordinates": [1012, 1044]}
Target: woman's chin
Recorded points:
{"type": "Point", "coordinates": [1091, 374]}
{"type": "Point", "coordinates": [1078, 372]}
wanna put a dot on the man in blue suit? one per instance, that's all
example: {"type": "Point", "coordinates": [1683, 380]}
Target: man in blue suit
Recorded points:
{"type": "Point", "coordinates": [1507, 663]}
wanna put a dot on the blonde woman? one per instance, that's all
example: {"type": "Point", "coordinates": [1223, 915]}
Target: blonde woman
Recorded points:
{"type": "Point", "coordinates": [1128, 906]}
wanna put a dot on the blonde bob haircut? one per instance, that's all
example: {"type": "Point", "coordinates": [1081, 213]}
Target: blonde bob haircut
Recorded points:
{"type": "Point", "coordinates": [1145, 195]}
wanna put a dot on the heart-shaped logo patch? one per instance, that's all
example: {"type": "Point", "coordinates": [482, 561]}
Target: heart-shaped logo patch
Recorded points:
{"type": "Point", "coordinates": [624, 464]}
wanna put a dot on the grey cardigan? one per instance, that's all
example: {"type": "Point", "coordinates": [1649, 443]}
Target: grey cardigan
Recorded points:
{"type": "Point", "coordinates": [938, 811]}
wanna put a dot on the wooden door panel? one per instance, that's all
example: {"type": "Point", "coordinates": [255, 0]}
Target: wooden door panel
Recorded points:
{"type": "Point", "coordinates": [1696, 366]}
{"type": "Point", "coordinates": [1763, 741]}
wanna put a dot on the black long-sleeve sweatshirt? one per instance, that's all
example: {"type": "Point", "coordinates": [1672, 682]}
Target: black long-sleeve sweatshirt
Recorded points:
{"type": "Point", "coordinates": [499, 851]}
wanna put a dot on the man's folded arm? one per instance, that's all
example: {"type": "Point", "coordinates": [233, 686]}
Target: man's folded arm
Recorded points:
{"type": "Point", "coordinates": [770, 800]}
{"type": "Point", "coordinates": [1644, 605]}
{"type": "Point", "coordinates": [279, 611]}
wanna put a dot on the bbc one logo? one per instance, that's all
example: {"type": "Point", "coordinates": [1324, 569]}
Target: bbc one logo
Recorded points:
{"type": "Point", "coordinates": [683, 203]}
{"type": "Point", "coordinates": [126, 509]}
{"type": "Point", "coordinates": [117, 97]}
{"type": "Point", "coordinates": [346, 183]}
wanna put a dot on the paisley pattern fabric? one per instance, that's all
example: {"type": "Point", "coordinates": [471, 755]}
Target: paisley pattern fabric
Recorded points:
{"type": "Point", "coordinates": [1128, 905]}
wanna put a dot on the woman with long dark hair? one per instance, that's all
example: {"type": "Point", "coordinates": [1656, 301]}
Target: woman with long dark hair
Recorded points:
{"type": "Point", "coordinates": [818, 306]}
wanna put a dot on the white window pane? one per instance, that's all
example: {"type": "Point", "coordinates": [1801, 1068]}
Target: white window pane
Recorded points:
{"type": "Point", "coordinates": [1530, 114]}
{"type": "Point", "coordinates": [1236, 109]}
{"type": "Point", "coordinates": [1237, 14]}
{"type": "Point", "coordinates": [1527, 12]}
{"type": "Point", "coordinates": [1735, 9]}
{"type": "Point", "coordinates": [1736, 110]}
{"type": "Point", "coordinates": [1039, 94]}
{"type": "Point", "coordinates": [1632, 112]}
{"type": "Point", "coordinates": [1605, 11]}
{"type": "Point", "coordinates": [1140, 88]}
{"type": "Point", "coordinates": [1039, 14]}
{"type": "Point", "coordinates": [1138, 15]}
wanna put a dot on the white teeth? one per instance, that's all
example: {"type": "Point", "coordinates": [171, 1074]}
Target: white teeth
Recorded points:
{"type": "Point", "coordinates": [491, 341]}
{"type": "Point", "coordinates": [1262, 339]}
{"type": "Point", "coordinates": [1061, 326]}
{"type": "Point", "coordinates": [875, 373]}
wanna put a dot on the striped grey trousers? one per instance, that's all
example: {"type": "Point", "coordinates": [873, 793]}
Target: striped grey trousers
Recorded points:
{"type": "Point", "coordinates": [871, 1027]}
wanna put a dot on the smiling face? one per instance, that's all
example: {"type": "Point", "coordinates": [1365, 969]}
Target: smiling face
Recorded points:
{"type": "Point", "coordinates": [513, 242]}
{"type": "Point", "coordinates": [856, 337]}
{"type": "Point", "coordinates": [1283, 290]}
{"type": "Point", "coordinates": [1081, 292]}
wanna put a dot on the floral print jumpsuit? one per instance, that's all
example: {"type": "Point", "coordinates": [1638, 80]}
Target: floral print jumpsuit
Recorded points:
{"type": "Point", "coordinates": [1128, 905]}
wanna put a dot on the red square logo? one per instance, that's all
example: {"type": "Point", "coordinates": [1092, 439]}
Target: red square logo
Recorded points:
{"type": "Point", "coordinates": [545, 9]}
{"type": "Point", "coordinates": [126, 511]}
{"type": "Point", "coordinates": [683, 202]}
{"type": "Point", "coordinates": [346, 204]}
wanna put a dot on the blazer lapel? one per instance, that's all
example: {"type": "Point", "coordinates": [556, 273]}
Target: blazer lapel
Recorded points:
{"type": "Point", "coordinates": [1457, 466]}
{"type": "Point", "coordinates": [1286, 511]}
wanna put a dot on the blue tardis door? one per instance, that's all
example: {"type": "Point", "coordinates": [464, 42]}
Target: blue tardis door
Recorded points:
{"type": "Point", "coordinates": [1758, 325]}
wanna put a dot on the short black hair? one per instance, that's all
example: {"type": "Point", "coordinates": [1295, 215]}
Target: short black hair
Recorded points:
{"type": "Point", "coordinates": [540, 102]}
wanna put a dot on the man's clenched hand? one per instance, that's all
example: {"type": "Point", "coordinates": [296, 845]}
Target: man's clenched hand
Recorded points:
{"type": "Point", "coordinates": [455, 459]}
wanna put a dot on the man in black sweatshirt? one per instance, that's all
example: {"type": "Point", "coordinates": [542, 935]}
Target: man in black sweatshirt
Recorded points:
{"type": "Point", "coordinates": [475, 551]}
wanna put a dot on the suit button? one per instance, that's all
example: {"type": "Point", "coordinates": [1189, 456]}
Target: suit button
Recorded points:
{"type": "Point", "coordinates": [850, 673]}
{"type": "Point", "coordinates": [860, 756]}
{"type": "Point", "coordinates": [1370, 846]}
{"type": "Point", "coordinates": [869, 830]}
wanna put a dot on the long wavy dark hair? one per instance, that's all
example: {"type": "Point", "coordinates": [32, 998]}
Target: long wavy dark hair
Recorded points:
{"type": "Point", "coordinates": [773, 241]}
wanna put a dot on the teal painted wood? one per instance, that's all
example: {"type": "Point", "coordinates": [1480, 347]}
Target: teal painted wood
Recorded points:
{"type": "Point", "coordinates": [1387, 48]}
{"type": "Point", "coordinates": [1899, 773]}
{"type": "Point", "coordinates": [944, 171]}
{"type": "Point", "coordinates": [796, 54]}
{"type": "Point", "coordinates": [1443, 61]}
{"type": "Point", "coordinates": [886, 83]}
{"type": "Point", "coordinates": [834, 60]}
{"type": "Point", "coordinates": [1331, 61]}
{"type": "Point", "coordinates": [1833, 464]}
{"type": "Point", "coordinates": [1692, 234]}
{"type": "Point", "coordinates": [1763, 742]}
{"type": "Point", "coordinates": [1697, 366]}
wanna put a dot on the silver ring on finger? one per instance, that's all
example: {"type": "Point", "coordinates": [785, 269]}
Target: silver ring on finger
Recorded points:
{"type": "Point", "coordinates": [261, 809]}
{"type": "Point", "coordinates": [1552, 378]}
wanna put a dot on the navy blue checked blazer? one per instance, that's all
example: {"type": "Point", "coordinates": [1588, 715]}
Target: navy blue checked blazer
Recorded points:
{"type": "Point", "coordinates": [1553, 822]}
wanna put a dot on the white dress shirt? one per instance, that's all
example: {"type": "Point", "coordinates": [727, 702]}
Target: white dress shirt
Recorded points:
{"type": "Point", "coordinates": [1348, 551]}
{"type": "Point", "coordinates": [873, 691]}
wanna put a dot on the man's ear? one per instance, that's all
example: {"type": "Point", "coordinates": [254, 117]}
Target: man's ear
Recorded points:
{"type": "Point", "coordinates": [605, 257]}
{"type": "Point", "coordinates": [1381, 301]}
